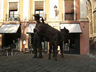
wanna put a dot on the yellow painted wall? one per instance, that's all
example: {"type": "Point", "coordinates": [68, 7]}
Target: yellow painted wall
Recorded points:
{"type": "Point", "coordinates": [4, 18]}
{"type": "Point", "coordinates": [31, 9]}
{"type": "Point", "coordinates": [61, 10]}
{"type": "Point", "coordinates": [5, 9]}
{"type": "Point", "coordinates": [47, 9]}
{"type": "Point", "coordinates": [21, 9]}
{"type": "Point", "coordinates": [0, 40]}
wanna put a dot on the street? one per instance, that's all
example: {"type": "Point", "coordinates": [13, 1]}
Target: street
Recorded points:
{"type": "Point", "coordinates": [25, 63]}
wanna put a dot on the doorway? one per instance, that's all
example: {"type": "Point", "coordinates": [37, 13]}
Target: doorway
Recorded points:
{"type": "Point", "coordinates": [11, 40]}
{"type": "Point", "coordinates": [73, 45]}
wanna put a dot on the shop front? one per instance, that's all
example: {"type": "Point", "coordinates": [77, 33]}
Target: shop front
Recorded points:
{"type": "Point", "coordinates": [73, 45]}
{"type": "Point", "coordinates": [10, 36]}
{"type": "Point", "coordinates": [31, 36]}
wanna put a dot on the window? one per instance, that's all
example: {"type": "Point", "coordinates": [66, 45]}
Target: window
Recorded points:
{"type": "Point", "coordinates": [13, 11]}
{"type": "Point", "coordinates": [39, 8]}
{"type": "Point", "coordinates": [69, 9]}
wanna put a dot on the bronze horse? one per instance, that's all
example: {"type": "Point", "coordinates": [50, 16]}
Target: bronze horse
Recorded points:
{"type": "Point", "coordinates": [50, 34]}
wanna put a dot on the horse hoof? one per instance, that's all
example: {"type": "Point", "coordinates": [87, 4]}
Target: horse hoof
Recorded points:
{"type": "Point", "coordinates": [62, 56]}
{"type": "Point", "coordinates": [34, 56]}
{"type": "Point", "coordinates": [40, 57]}
{"type": "Point", "coordinates": [55, 59]}
{"type": "Point", "coordinates": [53, 55]}
{"type": "Point", "coordinates": [49, 58]}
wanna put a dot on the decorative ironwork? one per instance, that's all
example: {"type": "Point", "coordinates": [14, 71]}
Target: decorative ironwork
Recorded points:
{"type": "Point", "coordinates": [12, 17]}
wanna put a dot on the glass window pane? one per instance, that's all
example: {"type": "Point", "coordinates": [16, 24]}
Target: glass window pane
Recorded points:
{"type": "Point", "coordinates": [15, 14]}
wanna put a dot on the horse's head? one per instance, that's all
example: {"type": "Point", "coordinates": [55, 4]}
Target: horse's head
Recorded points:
{"type": "Point", "coordinates": [65, 31]}
{"type": "Point", "coordinates": [65, 34]}
{"type": "Point", "coordinates": [37, 17]}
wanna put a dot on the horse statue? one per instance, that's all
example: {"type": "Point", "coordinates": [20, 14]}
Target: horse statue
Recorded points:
{"type": "Point", "coordinates": [37, 46]}
{"type": "Point", "coordinates": [50, 34]}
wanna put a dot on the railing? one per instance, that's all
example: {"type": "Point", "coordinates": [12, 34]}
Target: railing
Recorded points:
{"type": "Point", "coordinates": [41, 15]}
{"type": "Point", "coordinates": [16, 17]}
{"type": "Point", "coordinates": [12, 17]}
{"type": "Point", "coordinates": [69, 17]}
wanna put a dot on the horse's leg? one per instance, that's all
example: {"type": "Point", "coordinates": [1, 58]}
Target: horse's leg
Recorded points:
{"type": "Point", "coordinates": [61, 49]}
{"type": "Point", "coordinates": [35, 53]}
{"type": "Point", "coordinates": [40, 51]}
{"type": "Point", "coordinates": [35, 45]}
{"type": "Point", "coordinates": [50, 50]}
{"type": "Point", "coordinates": [55, 50]}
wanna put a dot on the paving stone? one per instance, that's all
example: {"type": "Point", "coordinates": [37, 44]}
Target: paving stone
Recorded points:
{"type": "Point", "coordinates": [25, 63]}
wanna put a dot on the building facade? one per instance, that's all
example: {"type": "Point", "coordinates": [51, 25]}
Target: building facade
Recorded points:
{"type": "Point", "coordinates": [91, 11]}
{"type": "Point", "coordinates": [71, 14]}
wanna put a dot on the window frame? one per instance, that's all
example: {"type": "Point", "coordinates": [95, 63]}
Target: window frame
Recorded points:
{"type": "Point", "coordinates": [34, 12]}
{"type": "Point", "coordinates": [8, 12]}
{"type": "Point", "coordinates": [74, 11]}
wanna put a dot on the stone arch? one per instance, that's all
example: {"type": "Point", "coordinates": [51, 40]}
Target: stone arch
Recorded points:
{"type": "Point", "coordinates": [89, 15]}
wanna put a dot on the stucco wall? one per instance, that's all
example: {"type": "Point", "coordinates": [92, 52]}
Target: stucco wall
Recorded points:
{"type": "Point", "coordinates": [26, 10]}
{"type": "Point", "coordinates": [84, 38]}
{"type": "Point", "coordinates": [83, 9]}
{"type": "Point", "coordinates": [1, 10]}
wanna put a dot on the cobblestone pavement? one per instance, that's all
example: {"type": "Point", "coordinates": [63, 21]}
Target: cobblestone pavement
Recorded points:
{"type": "Point", "coordinates": [25, 63]}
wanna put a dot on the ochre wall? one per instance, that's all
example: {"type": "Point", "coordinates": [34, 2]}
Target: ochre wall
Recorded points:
{"type": "Point", "coordinates": [5, 9]}
{"type": "Point", "coordinates": [47, 9]}
{"type": "Point", "coordinates": [0, 40]}
{"type": "Point", "coordinates": [31, 9]}
{"type": "Point", "coordinates": [21, 9]}
{"type": "Point", "coordinates": [61, 15]}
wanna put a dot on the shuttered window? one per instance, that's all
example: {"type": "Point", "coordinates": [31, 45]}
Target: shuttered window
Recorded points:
{"type": "Point", "coordinates": [13, 11]}
{"type": "Point", "coordinates": [69, 9]}
{"type": "Point", "coordinates": [39, 5]}
{"type": "Point", "coordinates": [13, 6]}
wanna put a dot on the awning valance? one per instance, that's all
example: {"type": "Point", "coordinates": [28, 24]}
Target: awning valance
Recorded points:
{"type": "Point", "coordinates": [73, 28]}
{"type": "Point", "coordinates": [9, 28]}
{"type": "Point", "coordinates": [31, 28]}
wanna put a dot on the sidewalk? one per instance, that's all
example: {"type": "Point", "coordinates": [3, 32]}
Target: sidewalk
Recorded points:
{"type": "Point", "coordinates": [25, 63]}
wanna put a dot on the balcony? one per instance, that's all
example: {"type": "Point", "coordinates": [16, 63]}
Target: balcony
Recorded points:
{"type": "Point", "coordinates": [69, 16]}
{"type": "Point", "coordinates": [12, 17]}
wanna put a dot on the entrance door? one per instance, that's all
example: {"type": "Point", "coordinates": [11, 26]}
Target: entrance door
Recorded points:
{"type": "Point", "coordinates": [73, 47]}
{"type": "Point", "coordinates": [75, 44]}
{"type": "Point", "coordinates": [30, 43]}
{"type": "Point", "coordinates": [12, 39]}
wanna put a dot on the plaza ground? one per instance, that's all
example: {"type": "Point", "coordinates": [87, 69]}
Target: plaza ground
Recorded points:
{"type": "Point", "coordinates": [25, 63]}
